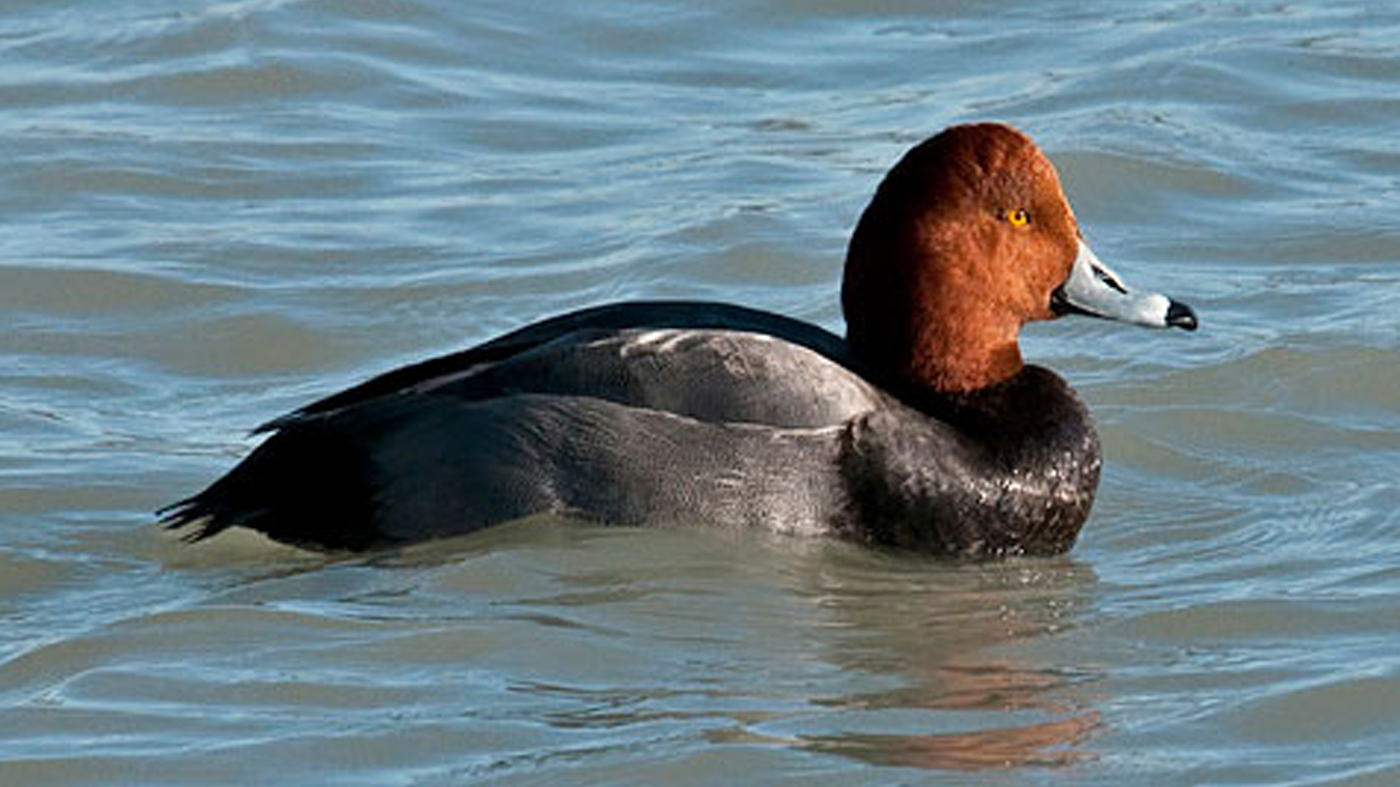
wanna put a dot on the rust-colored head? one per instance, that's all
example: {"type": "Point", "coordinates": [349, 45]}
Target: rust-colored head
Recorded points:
{"type": "Point", "coordinates": [965, 241]}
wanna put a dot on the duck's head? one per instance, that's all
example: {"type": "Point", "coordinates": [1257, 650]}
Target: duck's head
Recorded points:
{"type": "Point", "coordinates": [968, 238]}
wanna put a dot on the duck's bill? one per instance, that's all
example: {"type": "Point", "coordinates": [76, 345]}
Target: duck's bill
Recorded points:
{"type": "Point", "coordinates": [1093, 289]}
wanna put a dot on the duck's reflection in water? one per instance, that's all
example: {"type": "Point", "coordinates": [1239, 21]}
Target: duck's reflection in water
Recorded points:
{"type": "Point", "coordinates": [1048, 743]}
{"type": "Point", "coordinates": [965, 638]}
{"type": "Point", "coordinates": [890, 659]}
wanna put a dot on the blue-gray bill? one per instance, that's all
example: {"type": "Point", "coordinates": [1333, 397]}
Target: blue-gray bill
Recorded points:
{"type": "Point", "coordinates": [1094, 289]}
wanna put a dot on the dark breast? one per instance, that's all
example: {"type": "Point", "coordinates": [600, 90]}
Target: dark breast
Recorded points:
{"type": "Point", "coordinates": [1008, 470]}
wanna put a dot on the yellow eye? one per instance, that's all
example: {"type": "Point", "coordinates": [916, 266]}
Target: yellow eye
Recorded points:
{"type": "Point", "coordinates": [1018, 217]}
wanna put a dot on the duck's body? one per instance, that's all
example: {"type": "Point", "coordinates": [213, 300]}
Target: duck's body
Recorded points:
{"type": "Point", "coordinates": [682, 413]}
{"type": "Point", "coordinates": [669, 413]}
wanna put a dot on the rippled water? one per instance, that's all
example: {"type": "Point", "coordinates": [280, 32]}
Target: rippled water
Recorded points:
{"type": "Point", "coordinates": [213, 212]}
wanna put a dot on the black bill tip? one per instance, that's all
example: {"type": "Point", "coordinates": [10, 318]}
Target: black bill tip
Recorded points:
{"type": "Point", "coordinates": [1179, 315]}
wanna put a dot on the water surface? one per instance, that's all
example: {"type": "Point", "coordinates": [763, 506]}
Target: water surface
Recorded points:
{"type": "Point", "coordinates": [213, 212]}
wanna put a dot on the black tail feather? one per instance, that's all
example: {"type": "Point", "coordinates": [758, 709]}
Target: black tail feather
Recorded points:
{"type": "Point", "coordinates": [200, 518]}
{"type": "Point", "coordinates": [308, 485]}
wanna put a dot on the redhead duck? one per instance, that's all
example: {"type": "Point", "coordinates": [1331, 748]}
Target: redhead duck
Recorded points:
{"type": "Point", "coordinates": [922, 429]}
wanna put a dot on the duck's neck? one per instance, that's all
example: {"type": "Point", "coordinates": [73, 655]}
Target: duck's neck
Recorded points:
{"type": "Point", "coordinates": [947, 362]}
{"type": "Point", "coordinates": [1032, 405]}
{"type": "Point", "coordinates": [954, 363]}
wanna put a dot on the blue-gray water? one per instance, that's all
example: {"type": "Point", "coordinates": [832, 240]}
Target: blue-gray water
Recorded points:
{"type": "Point", "coordinates": [213, 212]}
